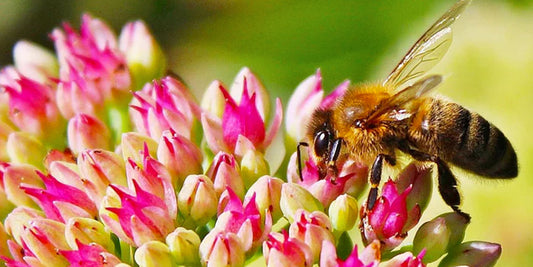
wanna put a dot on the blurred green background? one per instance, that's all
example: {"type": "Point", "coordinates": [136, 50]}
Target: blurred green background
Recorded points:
{"type": "Point", "coordinates": [488, 68]}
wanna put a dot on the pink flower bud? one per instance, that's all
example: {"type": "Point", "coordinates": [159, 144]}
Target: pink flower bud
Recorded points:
{"type": "Point", "coordinates": [34, 61]}
{"type": "Point", "coordinates": [254, 86]}
{"type": "Point", "coordinates": [42, 239]}
{"type": "Point", "coordinates": [307, 97]}
{"type": "Point", "coordinates": [89, 255]}
{"type": "Point", "coordinates": [133, 145]}
{"type": "Point", "coordinates": [24, 148]}
{"type": "Point", "coordinates": [313, 228]}
{"type": "Point", "coordinates": [406, 259]}
{"type": "Point", "coordinates": [370, 256]}
{"type": "Point", "coordinates": [19, 220]}
{"type": "Point", "coordinates": [153, 253]}
{"type": "Point", "coordinates": [153, 177]}
{"type": "Point", "coordinates": [352, 179]}
{"type": "Point", "coordinates": [184, 245]}
{"type": "Point", "coordinates": [282, 250]}
{"type": "Point", "coordinates": [179, 155]}
{"type": "Point", "coordinates": [99, 168]}
{"type": "Point", "coordinates": [142, 216]}
{"type": "Point", "coordinates": [164, 104]}
{"type": "Point", "coordinates": [245, 221]}
{"type": "Point", "coordinates": [61, 201]}
{"type": "Point", "coordinates": [15, 175]}
{"type": "Point", "coordinates": [241, 117]}
{"type": "Point", "coordinates": [294, 197]}
{"type": "Point", "coordinates": [32, 109]}
{"type": "Point", "coordinates": [213, 100]}
{"type": "Point", "coordinates": [224, 172]}
{"type": "Point", "coordinates": [144, 56]}
{"type": "Point", "coordinates": [267, 190]}
{"type": "Point", "coordinates": [222, 249]}
{"type": "Point", "coordinates": [92, 52]}
{"type": "Point", "coordinates": [389, 220]}
{"type": "Point", "coordinates": [197, 200]}
{"type": "Point", "coordinates": [87, 132]}
{"type": "Point", "coordinates": [87, 231]}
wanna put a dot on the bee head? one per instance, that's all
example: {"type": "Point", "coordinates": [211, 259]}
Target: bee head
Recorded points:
{"type": "Point", "coordinates": [325, 146]}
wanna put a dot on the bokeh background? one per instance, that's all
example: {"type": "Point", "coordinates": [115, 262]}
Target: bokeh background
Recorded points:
{"type": "Point", "coordinates": [489, 67]}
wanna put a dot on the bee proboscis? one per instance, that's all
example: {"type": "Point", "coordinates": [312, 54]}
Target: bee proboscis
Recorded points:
{"type": "Point", "coordinates": [371, 122]}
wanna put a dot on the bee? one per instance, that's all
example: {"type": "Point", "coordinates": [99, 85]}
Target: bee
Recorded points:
{"type": "Point", "coordinates": [370, 123]}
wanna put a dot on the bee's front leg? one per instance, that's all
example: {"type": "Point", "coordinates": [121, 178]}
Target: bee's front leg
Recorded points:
{"type": "Point", "coordinates": [375, 177]}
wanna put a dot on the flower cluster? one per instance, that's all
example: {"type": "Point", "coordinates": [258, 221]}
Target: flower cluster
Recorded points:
{"type": "Point", "coordinates": [105, 162]}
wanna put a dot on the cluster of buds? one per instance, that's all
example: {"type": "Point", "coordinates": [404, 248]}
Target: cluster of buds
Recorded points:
{"type": "Point", "coordinates": [102, 164]}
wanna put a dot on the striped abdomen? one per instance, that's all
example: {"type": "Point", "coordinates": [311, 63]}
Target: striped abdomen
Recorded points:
{"type": "Point", "coordinates": [462, 138]}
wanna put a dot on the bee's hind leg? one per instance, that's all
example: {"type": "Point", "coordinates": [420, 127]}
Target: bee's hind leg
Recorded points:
{"type": "Point", "coordinates": [375, 177]}
{"type": "Point", "coordinates": [447, 182]}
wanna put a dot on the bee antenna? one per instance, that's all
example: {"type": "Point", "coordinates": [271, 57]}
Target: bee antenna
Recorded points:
{"type": "Point", "coordinates": [299, 158]}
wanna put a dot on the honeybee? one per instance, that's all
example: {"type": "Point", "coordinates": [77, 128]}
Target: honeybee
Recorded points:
{"type": "Point", "coordinates": [371, 122]}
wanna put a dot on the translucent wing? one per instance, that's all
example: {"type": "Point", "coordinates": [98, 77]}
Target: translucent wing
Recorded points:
{"type": "Point", "coordinates": [428, 50]}
{"type": "Point", "coordinates": [411, 92]}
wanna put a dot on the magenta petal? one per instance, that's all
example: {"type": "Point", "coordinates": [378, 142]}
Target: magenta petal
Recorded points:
{"type": "Point", "coordinates": [276, 123]}
{"type": "Point", "coordinates": [394, 224]}
{"type": "Point", "coordinates": [243, 119]}
{"type": "Point", "coordinates": [330, 99]}
{"type": "Point", "coordinates": [389, 191]}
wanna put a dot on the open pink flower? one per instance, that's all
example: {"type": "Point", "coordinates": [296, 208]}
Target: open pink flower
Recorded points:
{"type": "Point", "coordinates": [89, 255]}
{"type": "Point", "coordinates": [32, 106]}
{"type": "Point", "coordinates": [60, 201]}
{"type": "Point", "coordinates": [142, 216]}
{"type": "Point", "coordinates": [94, 54]}
{"type": "Point", "coordinates": [282, 250]}
{"type": "Point", "coordinates": [308, 96]}
{"type": "Point", "coordinates": [352, 179]}
{"type": "Point", "coordinates": [164, 104]}
{"type": "Point", "coordinates": [370, 257]}
{"type": "Point", "coordinates": [389, 220]}
{"type": "Point", "coordinates": [243, 220]}
{"type": "Point", "coordinates": [241, 119]}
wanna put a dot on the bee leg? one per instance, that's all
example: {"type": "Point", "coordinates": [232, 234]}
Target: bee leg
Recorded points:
{"type": "Point", "coordinates": [375, 177]}
{"type": "Point", "coordinates": [447, 182]}
{"type": "Point", "coordinates": [448, 188]}
{"type": "Point", "coordinates": [299, 158]}
{"type": "Point", "coordinates": [333, 156]}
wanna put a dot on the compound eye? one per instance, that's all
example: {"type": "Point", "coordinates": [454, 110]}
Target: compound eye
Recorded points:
{"type": "Point", "coordinates": [321, 143]}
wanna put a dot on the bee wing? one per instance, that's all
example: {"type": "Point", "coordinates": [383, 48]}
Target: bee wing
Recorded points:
{"type": "Point", "coordinates": [411, 92]}
{"type": "Point", "coordinates": [428, 50]}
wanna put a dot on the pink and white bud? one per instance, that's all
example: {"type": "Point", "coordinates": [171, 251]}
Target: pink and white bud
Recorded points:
{"type": "Point", "coordinates": [213, 100]}
{"type": "Point", "coordinates": [87, 132]}
{"type": "Point", "coordinates": [179, 155]}
{"type": "Point", "coordinates": [35, 61]}
{"type": "Point", "coordinates": [32, 108]}
{"type": "Point", "coordinates": [197, 201]}
{"type": "Point", "coordinates": [92, 254]}
{"type": "Point", "coordinates": [162, 105]}
{"type": "Point", "coordinates": [99, 168]}
{"type": "Point", "coordinates": [267, 190]}
{"type": "Point", "coordinates": [224, 249]}
{"type": "Point", "coordinates": [15, 175]}
{"type": "Point", "coordinates": [87, 231]}
{"type": "Point", "coordinates": [313, 228]}
{"type": "Point", "coordinates": [224, 172]}
{"type": "Point", "coordinates": [370, 257]}
{"type": "Point", "coordinates": [144, 56]}
{"type": "Point", "coordinates": [133, 145]}
{"type": "Point", "coordinates": [282, 250]}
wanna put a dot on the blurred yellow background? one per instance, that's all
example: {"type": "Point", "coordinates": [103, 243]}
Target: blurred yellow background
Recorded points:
{"type": "Point", "coordinates": [489, 68]}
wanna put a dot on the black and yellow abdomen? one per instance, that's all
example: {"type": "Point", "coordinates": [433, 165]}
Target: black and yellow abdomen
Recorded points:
{"type": "Point", "coordinates": [463, 138]}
